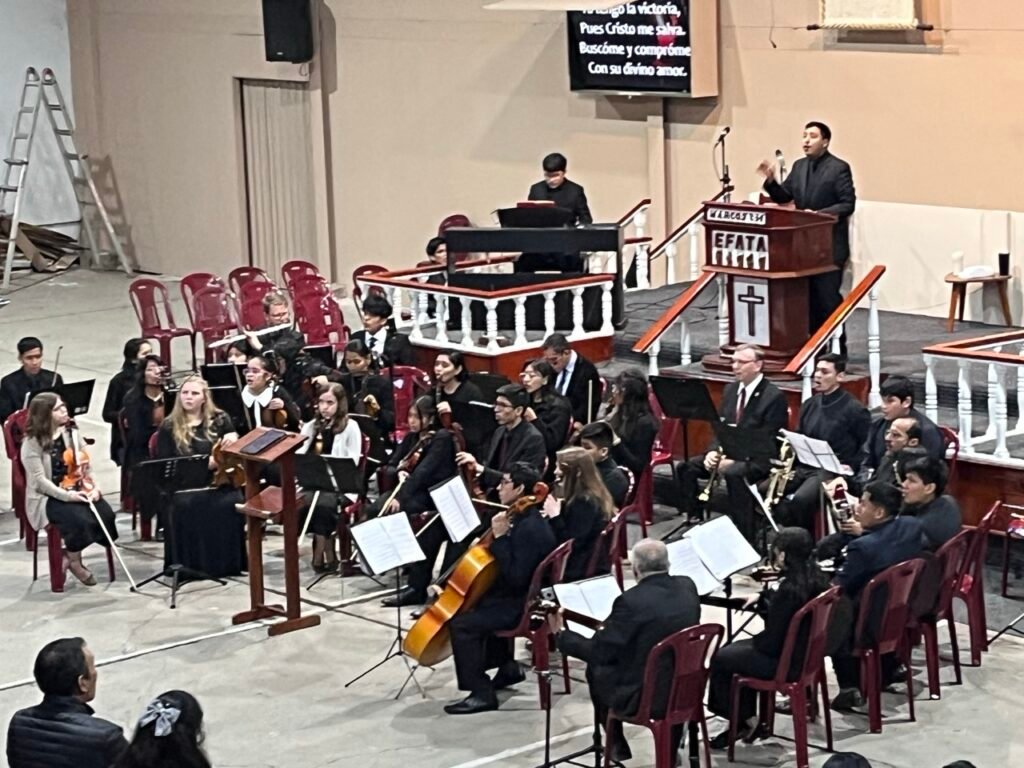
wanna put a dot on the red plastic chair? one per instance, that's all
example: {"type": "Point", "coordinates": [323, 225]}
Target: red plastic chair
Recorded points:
{"type": "Point", "coordinates": [455, 220]}
{"type": "Point", "coordinates": [950, 439]}
{"type": "Point", "coordinates": [250, 303]}
{"type": "Point", "coordinates": [156, 320]}
{"type": "Point", "coordinates": [240, 276]}
{"type": "Point", "coordinates": [191, 284]}
{"type": "Point", "coordinates": [971, 587]}
{"type": "Point", "coordinates": [55, 558]}
{"type": "Point", "coordinates": [295, 268]}
{"type": "Point", "coordinates": [14, 433]}
{"type": "Point", "coordinates": [948, 562]}
{"type": "Point", "coordinates": [643, 498]}
{"type": "Point", "coordinates": [213, 318]}
{"type": "Point", "coordinates": [320, 320]}
{"type": "Point", "coordinates": [814, 618]}
{"type": "Point", "coordinates": [408, 382]}
{"type": "Point", "coordinates": [691, 650]}
{"type": "Point", "coordinates": [611, 544]}
{"type": "Point", "coordinates": [551, 571]}
{"type": "Point", "coordinates": [894, 584]}
{"type": "Point", "coordinates": [357, 289]}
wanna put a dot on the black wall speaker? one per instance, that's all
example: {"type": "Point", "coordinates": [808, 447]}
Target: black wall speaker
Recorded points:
{"type": "Point", "coordinates": [288, 30]}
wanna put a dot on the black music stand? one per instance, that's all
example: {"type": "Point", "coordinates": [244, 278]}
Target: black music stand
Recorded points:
{"type": "Point", "coordinates": [686, 400]}
{"type": "Point", "coordinates": [477, 422]}
{"type": "Point", "coordinates": [378, 450]}
{"type": "Point", "coordinates": [324, 353]}
{"type": "Point", "coordinates": [488, 384]}
{"type": "Point", "coordinates": [326, 474]}
{"type": "Point", "coordinates": [535, 216]}
{"type": "Point", "coordinates": [77, 395]}
{"type": "Point", "coordinates": [180, 474]}
{"type": "Point", "coordinates": [223, 374]}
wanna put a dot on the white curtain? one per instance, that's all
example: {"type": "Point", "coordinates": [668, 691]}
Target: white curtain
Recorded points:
{"type": "Point", "coordinates": [279, 171]}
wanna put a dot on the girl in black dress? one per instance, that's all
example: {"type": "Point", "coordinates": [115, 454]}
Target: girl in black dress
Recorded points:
{"type": "Point", "coordinates": [581, 510]}
{"type": "Point", "coordinates": [452, 385]}
{"type": "Point", "coordinates": [208, 534]}
{"type": "Point", "coordinates": [143, 410]}
{"type": "Point", "coordinates": [266, 403]}
{"type": "Point", "coordinates": [369, 393]}
{"type": "Point", "coordinates": [549, 412]}
{"type": "Point", "coordinates": [119, 387]}
{"type": "Point", "coordinates": [632, 422]}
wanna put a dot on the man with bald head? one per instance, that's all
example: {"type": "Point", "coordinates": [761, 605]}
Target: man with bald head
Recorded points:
{"type": "Point", "coordinates": [658, 606]}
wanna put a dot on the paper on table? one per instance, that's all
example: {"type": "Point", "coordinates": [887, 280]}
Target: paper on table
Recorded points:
{"type": "Point", "coordinates": [722, 548]}
{"type": "Point", "coordinates": [591, 597]}
{"type": "Point", "coordinates": [683, 560]}
{"type": "Point", "coordinates": [456, 508]}
{"type": "Point", "coordinates": [814, 452]}
{"type": "Point", "coordinates": [387, 542]}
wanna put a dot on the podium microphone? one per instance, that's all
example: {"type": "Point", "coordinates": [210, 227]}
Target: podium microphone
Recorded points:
{"type": "Point", "coordinates": [722, 134]}
{"type": "Point", "coordinates": [782, 164]}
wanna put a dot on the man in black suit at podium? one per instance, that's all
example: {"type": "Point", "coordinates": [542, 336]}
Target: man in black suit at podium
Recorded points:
{"type": "Point", "coordinates": [749, 402]}
{"type": "Point", "coordinates": [819, 181]}
{"type": "Point", "coordinates": [556, 188]}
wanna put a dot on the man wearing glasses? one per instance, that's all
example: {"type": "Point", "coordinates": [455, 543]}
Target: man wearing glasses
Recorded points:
{"type": "Point", "coordinates": [749, 402]}
{"type": "Point", "coordinates": [515, 440]}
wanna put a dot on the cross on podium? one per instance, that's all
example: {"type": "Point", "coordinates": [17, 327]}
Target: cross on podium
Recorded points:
{"type": "Point", "coordinates": [752, 300]}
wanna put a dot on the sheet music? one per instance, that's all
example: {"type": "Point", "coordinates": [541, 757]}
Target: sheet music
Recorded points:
{"type": "Point", "coordinates": [591, 597]}
{"type": "Point", "coordinates": [722, 548]}
{"type": "Point", "coordinates": [815, 453]}
{"type": "Point", "coordinates": [456, 508]}
{"type": "Point", "coordinates": [683, 560]}
{"type": "Point", "coordinates": [387, 542]}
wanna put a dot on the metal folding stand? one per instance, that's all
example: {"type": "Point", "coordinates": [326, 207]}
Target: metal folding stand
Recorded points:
{"type": "Point", "coordinates": [395, 650]}
{"type": "Point", "coordinates": [1011, 627]}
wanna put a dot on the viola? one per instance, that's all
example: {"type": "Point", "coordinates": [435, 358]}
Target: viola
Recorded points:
{"type": "Point", "coordinates": [411, 459]}
{"type": "Point", "coordinates": [230, 469]}
{"type": "Point", "coordinates": [76, 462]}
{"type": "Point", "coordinates": [429, 639]}
{"type": "Point", "coordinates": [469, 477]}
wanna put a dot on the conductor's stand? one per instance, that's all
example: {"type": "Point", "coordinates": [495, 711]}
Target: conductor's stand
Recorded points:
{"type": "Point", "coordinates": [534, 215]}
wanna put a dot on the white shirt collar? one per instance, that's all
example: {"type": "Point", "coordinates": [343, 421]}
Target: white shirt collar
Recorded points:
{"type": "Point", "coordinates": [752, 386]}
{"type": "Point", "coordinates": [263, 398]}
{"type": "Point", "coordinates": [380, 337]}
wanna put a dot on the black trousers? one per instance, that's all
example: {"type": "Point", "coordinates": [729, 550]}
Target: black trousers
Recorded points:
{"type": "Point", "coordinates": [475, 648]}
{"type": "Point", "coordinates": [803, 498]}
{"type": "Point", "coordinates": [431, 540]}
{"type": "Point", "coordinates": [736, 476]}
{"type": "Point", "coordinates": [739, 658]}
{"type": "Point", "coordinates": [77, 524]}
{"type": "Point", "coordinates": [823, 297]}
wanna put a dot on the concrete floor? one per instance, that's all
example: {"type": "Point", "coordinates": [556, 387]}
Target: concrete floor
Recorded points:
{"type": "Point", "coordinates": [282, 701]}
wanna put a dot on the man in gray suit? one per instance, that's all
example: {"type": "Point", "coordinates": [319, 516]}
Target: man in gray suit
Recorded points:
{"type": "Point", "coordinates": [819, 181]}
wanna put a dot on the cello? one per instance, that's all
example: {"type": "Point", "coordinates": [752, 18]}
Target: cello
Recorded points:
{"type": "Point", "coordinates": [429, 639]}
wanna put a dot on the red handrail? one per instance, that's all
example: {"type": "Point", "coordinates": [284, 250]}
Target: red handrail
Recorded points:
{"type": "Point", "coordinates": [669, 316]}
{"type": "Point", "coordinates": [678, 231]}
{"type": "Point", "coordinates": [634, 211]}
{"type": "Point", "coordinates": [837, 317]}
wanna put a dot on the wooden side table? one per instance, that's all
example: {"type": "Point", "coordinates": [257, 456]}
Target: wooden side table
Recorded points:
{"type": "Point", "coordinates": [959, 296]}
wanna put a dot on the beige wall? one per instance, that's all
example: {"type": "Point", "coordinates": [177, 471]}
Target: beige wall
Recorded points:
{"type": "Point", "coordinates": [428, 108]}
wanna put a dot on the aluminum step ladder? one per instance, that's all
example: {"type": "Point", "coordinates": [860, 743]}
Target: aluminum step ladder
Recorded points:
{"type": "Point", "coordinates": [19, 150]}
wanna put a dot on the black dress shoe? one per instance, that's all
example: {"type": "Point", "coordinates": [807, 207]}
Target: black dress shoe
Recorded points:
{"type": "Point", "coordinates": [472, 704]}
{"type": "Point", "coordinates": [509, 675]}
{"type": "Point", "coordinates": [408, 596]}
{"type": "Point", "coordinates": [621, 751]}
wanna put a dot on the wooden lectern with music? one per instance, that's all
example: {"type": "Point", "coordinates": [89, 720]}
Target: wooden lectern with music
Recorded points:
{"type": "Point", "coordinates": [257, 449]}
{"type": "Point", "coordinates": [767, 254]}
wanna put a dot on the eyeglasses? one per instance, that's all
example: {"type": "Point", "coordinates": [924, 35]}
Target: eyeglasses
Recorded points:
{"type": "Point", "coordinates": [503, 405]}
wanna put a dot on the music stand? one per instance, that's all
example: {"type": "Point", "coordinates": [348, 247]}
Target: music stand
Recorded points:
{"type": "Point", "coordinates": [223, 374]}
{"type": "Point", "coordinates": [477, 422]}
{"type": "Point", "coordinates": [535, 217]}
{"type": "Point", "coordinates": [378, 450]}
{"type": "Point", "coordinates": [326, 474]}
{"type": "Point", "coordinates": [180, 474]}
{"type": "Point", "coordinates": [229, 400]}
{"type": "Point", "coordinates": [686, 400]}
{"type": "Point", "coordinates": [488, 384]}
{"type": "Point", "coordinates": [324, 353]}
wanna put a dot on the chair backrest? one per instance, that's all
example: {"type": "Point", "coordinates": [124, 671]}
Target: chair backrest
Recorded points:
{"type": "Point", "coordinates": [886, 600]}
{"type": "Point", "coordinates": [407, 382]}
{"type": "Point", "coordinates": [212, 314]}
{"type": "Point", "coordinates": [950, 559]}
{"type": "Point", "coordinates": [250, 303]}
{"type": "Point", "coordinates": [550, 571]}
{"type": "Point", "coordinates": [191, 284]}
{"type": "Point", "coordinates": [610, 547]}
{"type": "Point", "coordinates": [319, 318]}
{"type": "Point", "coordinates": [667, 432]}
{"type": "Point", "coordinates": [308, 286]}
{"type": "Point", "coordinates": [152, 305]}
{"type": "Point", "coordinates": [14, 434]}
{"type": "Point", "coordinates": [631, 488]}
{"type": "Point", "coordinates": [950, 439]}
{"type": "Point", "coordinates": [973, 564]}
{"type": "Point", "coordinates": [357, 289]}
{"type": "Point", "coordinates": [151, 444]}
{"type": "Point", "coordinates": [811, 622]}
{"type": "Point", "coordinates": [691, 652]}
{"type": "Point", "coordinates": [290, 270]}
{"type": "Point", "coordinates": [453, 220]}
{"type": "Point", "coordinates": [240, 276]}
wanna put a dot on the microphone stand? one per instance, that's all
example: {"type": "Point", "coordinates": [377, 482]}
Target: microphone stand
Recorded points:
{"type": "Point", "coordinates": [726, 181]}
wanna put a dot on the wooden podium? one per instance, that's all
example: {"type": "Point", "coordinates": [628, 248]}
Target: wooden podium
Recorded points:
{"type": "Point", "coordinates": [767, 254]}
{"type": "Point", "coordinates": [276, 504]}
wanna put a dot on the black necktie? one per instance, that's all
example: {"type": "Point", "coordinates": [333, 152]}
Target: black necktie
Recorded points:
{"type": "Point", "coordinates": [742, 404]}
{"type": "Point", "coordinates": [561, 380]}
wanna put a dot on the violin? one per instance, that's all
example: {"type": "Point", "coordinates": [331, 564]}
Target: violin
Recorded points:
{"type": "Point", "coordinates": [411, 459]}
{"type": "Point", "coordinates": [230, 469]}
{"type": "Point", "coordinates": [469, 478]}
{"type": "Point", "coordinates": [76, 460]}
{"type": "Point", "coordinates": [429, 639]}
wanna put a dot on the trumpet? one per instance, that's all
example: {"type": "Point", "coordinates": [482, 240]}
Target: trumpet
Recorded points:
{"type": "Point", "coordinates": [705, 495]}
{"type": "Point", "coordinates": [781, 473]}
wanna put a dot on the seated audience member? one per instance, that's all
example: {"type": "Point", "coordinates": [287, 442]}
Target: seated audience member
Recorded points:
{"type": "Point", "coordinates": [168, 735]}
{"type": "Point", "coordinates": [549, 412]}
{"type": "Point", "coordinates": [135, 350]}
{"type": "Point", "coordinates": [924, 480]}
{"type": "Point", "coordinates": [877, 539]}
{"type": "Point", "coordinates": [597, 439]}
{"type": "Point", "coordinates": [53, 494]}
{"type": "Point", "coordinates": [846, 760]}
{"type": "Point", "coordinates": [387, 345]}
{"type": "Point", "coordinates": [62, 731]}
{"type": "Point", "coordinates": [577, 378]}
{"type": "Point", "coordinates": [582, 508]}
{"type": "Point", "coordinates": [17, 387]}
{"type": "Point", "coordinates": [902, 442]}
{"type": "Point", "coordinates": [801, 581]}
{"type": "Point", "coordinates": [658, 605]}
{"type": "Point", "coordinates": [632, 422]}
{"type": "Point", "coordinates": [898, 402]}
{"type": "Point", "coordinates": [520, 545]}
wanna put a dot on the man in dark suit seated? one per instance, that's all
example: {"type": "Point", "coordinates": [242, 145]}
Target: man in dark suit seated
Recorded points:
{"type": "Point", "coordinates": [576, 378]}
{"type": "Point", "coordinates": [658, 606]}
{"type": "Point", "coordinates": [749, 402]}
{"type": "Point", "coordinates": [388, 346]}
{"type": "Point", "coordinates": [16, 387]}
{"type": "Point", "coordinates": [62, 732]}
{"type": "Point", "coordinates": [898, 403]}
{"type": "Point", "coordinates": [820, 182]}
{"type": "Point", "coordinates": [596, 439]}
{"type": "Point", "coordinates": [520, 545]}
{"type": "Point", "coordinates": [924, 480]}
{"type": "Point", "coordinates": [874, 540]}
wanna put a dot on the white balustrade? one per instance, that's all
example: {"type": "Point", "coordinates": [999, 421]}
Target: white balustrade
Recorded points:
{"type": "Point", "coordinates": [723, 309]}
{"type": "Point", "coordinates": [492, 325]}
{"type": "Point", "coordinates": [685, 355]}
{"type": "Point", "coordinates": [395, 300]}
{"type": "Point", "coordinates": [520, 319]}
{"type": "Point", "coordinates": [964, 407]}
{"type": "Point", "coordinates": [422, 305]}
{"type": "Point", "coordinates": [652, 358]}
{"type": "Point", "coordinates": [441, 318]}
{"type": "Point", "coordinates": [931, 389]}
{"type": "Point", "coordinates": [874, 349]}
{"type": "Point", "coordinates": [577, 310]}
{"type": "Point", "coordinates": [549, 313]}
{"type": "Point", "coordinates": [642, 265]}
{"type": "Point", "coordinates": [993, 385]}
{"type": "Point", "coordinates": [1020, 394]}
{"type": "Point", "coordinates": [416, 334]}
{"type": "Point", "coordinates": [606, 309]}
{"type": "Point", "coordinates": [1001, 413]}
{"type": "Point", "coordinates": [466, 308]}
{"type": "Point", "coordinates": [807, 380]}
{"type": "Point", "coordinates": [695, 232]}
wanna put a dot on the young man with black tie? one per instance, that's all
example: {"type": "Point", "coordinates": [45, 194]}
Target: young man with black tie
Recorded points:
{"type": "Point", "coordinates": [575, 377]}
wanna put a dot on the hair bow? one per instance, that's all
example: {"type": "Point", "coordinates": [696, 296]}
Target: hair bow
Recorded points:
{"type": "Point", "coordinates": [163, 714]}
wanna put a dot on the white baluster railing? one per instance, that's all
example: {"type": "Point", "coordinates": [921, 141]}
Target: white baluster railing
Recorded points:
{"type": "Point", "coordinates": [520, 316]}
{"type": "Point", "coordinates": [931, 389]}
{"type": "Point", "coordinates": [685, 355]}
{"type": "Point", "coordinates": [807, 381]}
{"type": "Point", "coordinates": [964, 406]}
{"type": "Point", "coordinates": [723, 309]}
{"type": "Point", "coordinates": [874, 349]}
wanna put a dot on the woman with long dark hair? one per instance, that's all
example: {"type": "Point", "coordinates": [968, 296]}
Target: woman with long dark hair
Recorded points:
{"type": "Point", "coordinates": [370, 394]}
{"type": "Point", "coordinates": [549, 412]}
{"type": "Point", "coordinates": [134, 350]}
{"type": "Point", "coordinates": [452, 385]}
{"type": "Point", "coordinates": [143, 410]}
{"type": "Point", "coordinates": [801, 581]}
{"type": "Point", "coordinates": [168, 735]}
{"type": "Point", "coordinates": [632, 421]}
{"type": "Point", "coordinates": [582, 508]}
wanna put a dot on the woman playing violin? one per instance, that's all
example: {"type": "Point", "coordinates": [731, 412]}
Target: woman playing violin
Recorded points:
{"type": "Point", "coordinates": [371, 394]}
{"type": "Point", "coordinates": [267, 404]}
{"type": "Point", "coordinates": [208, 534]}
{"type": "Point", "coordinates": [135, 350]}
{"type": "Point", "coordinates": [59, 485]}
{"type": "Point", "coordinates": [143, 409]}
{"type": "Point", "coordinates": [331, 433]}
